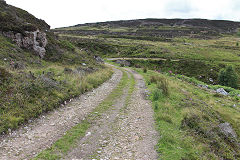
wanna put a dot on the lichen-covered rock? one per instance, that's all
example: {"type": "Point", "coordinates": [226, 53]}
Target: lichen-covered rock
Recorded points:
{"type": "Point", "coordinates": [18, 39]}
{"type": "Point", "coordinates": [18, 65]}
{"type": "Point", "coordinates": [84, 70]}
{"type": "Point", "coordinates": [41, 51]}
{"type": "Point", "coordinates": [36, 41]}
{"type": "Point", "coordinates": [48, 82]}
{"type": "Point", "coordinates": [41, 39]}
{"type": "Point", "coordinates": [222, 91]}
{"type": "Point", "coordinates": [227, 130]}
{"type": "Point", "coordinates": [203, 86]}
{"type": "Point", "coordinates": [99, 59]}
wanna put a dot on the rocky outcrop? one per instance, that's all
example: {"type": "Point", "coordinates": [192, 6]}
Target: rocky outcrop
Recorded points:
{"type": "Point", "coordinates": [222, 92]}
{"type": "Point", "coordinates": [98, 59]}
{"type": "Point", "coordinates": [227, 130]}
{"type": "Point", "coordinates": [3, 1]}
{"type": "Point", "coordinates": [36, 41]}
{"type": "Point", "coordinates": [203, 86]}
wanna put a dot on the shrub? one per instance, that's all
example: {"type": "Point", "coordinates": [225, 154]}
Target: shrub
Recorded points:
{"type": "Point", "coordinates": [155, 106]}
{"type": "Point", "coordinates": [148, 82]}
{"type": "Point", "coordinates": [4, 75]}
{"type": "Point", "coordinates": [67, 45]}
{"type": "Point", "coordinates": [29, 27]}
{"type": "Point", "coordinates": [163, 85]}
{"type": "Point", "coordinates": [228, 77]}
{"type": "Point", "coordinates": [237, 44]}
{"type": "Point", "coordinates": [154, 79]}
{"type": "Point", "coordinates": [144, 70]}
{"type": "Point", "coordinates": [156, 94]}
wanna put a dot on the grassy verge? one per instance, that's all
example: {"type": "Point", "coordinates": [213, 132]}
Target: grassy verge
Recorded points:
{"type": "Point", "coordinates": [188, 119]}
{"type": "Point", "coordinates": [68, 141]}
{"type": "Point", "coordinates": [29, 94]}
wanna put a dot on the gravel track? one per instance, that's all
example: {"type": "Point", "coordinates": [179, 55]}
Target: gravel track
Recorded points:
{"type": "Point", "coordinates": [97, 135]}
{"type": "Point", "coordinates": [41, 133]}
{"type": "Point", "coordinates": [126, 132]}
{"type": "Point", "coordinates": [135, 137]}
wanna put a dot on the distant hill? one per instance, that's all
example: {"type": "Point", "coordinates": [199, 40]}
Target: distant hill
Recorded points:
{"type": "Point", "coordinates": [165, 28]}
{"type": "Point", "coordinates": [218, 25]}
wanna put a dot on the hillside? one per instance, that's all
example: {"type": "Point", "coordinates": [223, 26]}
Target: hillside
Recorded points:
{"type": "Point", "coordinates": [35, 68]}
{"type": "Point", "coordinates": [217, 25]}
{"type": "Point", "coordinates": [159, 96]}
{"type": "Point", "coordinates": [194, 47]}
{"type": "Point", "coordinates": [180, 60]}
{"type": "Point", "coordinates": [167, 28]}
{"type": "Point", "coordinates": [17, 20]}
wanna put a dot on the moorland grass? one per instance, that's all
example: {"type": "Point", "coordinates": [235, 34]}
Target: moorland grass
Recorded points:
{"type": "Point", "coordinates": [187, 121]}
{"type": "Point", "coordinates": [27, 95]}
{"type": "Point", "coordinates": [194, 57]}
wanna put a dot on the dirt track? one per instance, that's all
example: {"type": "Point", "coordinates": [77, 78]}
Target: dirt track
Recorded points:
{"type": "Point", "coordinates": [124, 132]}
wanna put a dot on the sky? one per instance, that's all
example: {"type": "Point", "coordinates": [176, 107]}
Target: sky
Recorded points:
{"type": "Point", "coordinates": [62, 13]}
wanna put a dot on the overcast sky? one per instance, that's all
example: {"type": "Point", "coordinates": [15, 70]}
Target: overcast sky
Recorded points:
{"type": "Point", "coordinates": [60, 13]}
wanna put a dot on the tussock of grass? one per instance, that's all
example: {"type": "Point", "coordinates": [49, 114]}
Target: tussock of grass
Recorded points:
{"type": "Point", "coordinates": [145, 70]}
{"type": "Point", "coordinates": [156, 94]}
{"type": "Point", "coordinates": [188, 121]}
{"type": "Point", "coordinates": [161, 86]}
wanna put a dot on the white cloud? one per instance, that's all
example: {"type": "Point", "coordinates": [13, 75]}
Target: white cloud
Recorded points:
{"type": "Point", "coordinates": [60, 13]}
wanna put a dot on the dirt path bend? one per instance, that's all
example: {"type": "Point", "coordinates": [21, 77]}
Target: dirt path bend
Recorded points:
{"type": "Point", "coordinates": [40, 134]}
{"type": "Point", "coordinates": [126, 132]}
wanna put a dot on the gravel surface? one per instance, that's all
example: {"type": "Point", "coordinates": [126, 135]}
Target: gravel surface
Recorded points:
{"type": "Point", "coordinates": [101, 130]}
{"type": "Point", "coordinates": [124, 132]}
{"type": "Point", "coordinates": [41, 133]}
{"type": "Point", "coordinates": [135, 137]}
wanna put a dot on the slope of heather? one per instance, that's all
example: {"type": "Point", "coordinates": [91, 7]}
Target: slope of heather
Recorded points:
{"type": "Point", "coordinates": [38, 72]}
